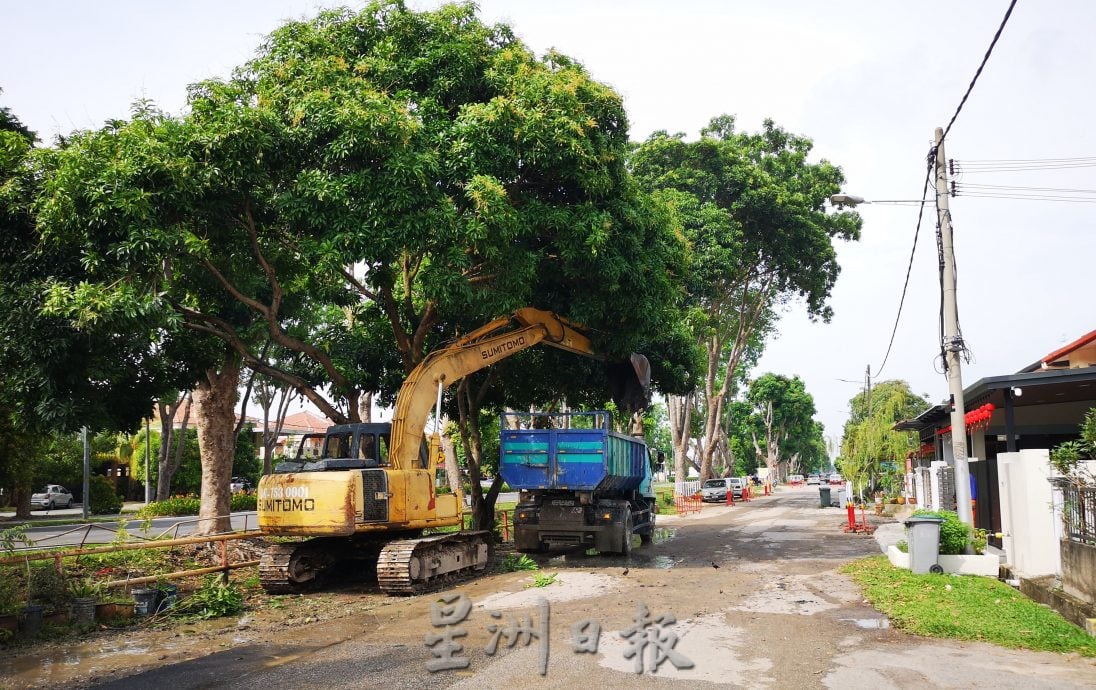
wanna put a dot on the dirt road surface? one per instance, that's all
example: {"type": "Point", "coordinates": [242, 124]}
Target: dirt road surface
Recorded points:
{"type": "Point", "coordinates": [754, 593]}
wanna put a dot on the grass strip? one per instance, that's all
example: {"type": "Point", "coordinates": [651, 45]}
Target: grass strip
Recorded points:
{"type": "Point", "coordinates": [965, 608]}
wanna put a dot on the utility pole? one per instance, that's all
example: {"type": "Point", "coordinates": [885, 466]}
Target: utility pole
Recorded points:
{"type": "Point", "coordinates": [87, 473]}
{"type": "Point", "coordinates": [148, 453]}
{"type": "Point", "coordinates": [953, 341]}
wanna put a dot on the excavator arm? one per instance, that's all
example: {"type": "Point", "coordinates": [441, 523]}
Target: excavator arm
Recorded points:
{"type": "Point", "coordinates": [478, 350]}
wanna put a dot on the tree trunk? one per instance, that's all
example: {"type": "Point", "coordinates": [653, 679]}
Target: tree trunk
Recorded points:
{"type": "Point", "coordinates": [169, 465]}
{"type": "Point", "coordinates": [21, 498]}
{"type": "Point", "coordinates": [365, 407]}
{"type": "Point", "coordinates": [167, 413]}
{"type": "Point", "coordinates": [452, 468]}
{"type": "Point", "coordinates": [679, 408]}
{"type": "Point", "coordinates": [214, 407]}
{"type": "Point", "coordinates": [483, 505]}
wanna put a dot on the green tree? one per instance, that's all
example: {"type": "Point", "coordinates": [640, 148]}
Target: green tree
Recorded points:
{"type": "Point", "coordinates": [871, 450]}
{"type": "Point", "coordinates": [420, 170]}
{"type": "Point", "coordinates": [782, 421]}
{"type": "Point", "coordinates": [55, 375]}
{"type": "Point", "coordinates": [752, 208]}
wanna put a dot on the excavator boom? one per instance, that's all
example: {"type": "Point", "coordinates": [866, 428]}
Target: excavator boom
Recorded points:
{"type": "Point", "coordinates": [478, 350]}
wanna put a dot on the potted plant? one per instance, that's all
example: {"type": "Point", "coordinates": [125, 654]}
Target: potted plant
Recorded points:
{"type": "Point", "coordinates": [30, 615]}
{"type": "Point", "coordinates": [85, 596]}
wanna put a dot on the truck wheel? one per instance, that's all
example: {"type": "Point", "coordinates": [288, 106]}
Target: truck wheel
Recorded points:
{"type": "Point", "coordinates": [648, 533]}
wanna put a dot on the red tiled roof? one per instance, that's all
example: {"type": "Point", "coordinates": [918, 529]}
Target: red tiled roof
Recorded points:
{"type": "Point", "coordinates": [1068, 349]}
{"type": "Point", "coordinates": [305, 423]}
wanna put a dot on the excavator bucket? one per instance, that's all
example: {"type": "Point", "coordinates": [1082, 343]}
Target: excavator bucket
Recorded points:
{"type": "Point", "coordinates": [630, 383]}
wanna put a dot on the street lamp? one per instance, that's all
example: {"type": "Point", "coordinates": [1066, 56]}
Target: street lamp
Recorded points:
{"type": "Point", "coordinates": [851, 200]}
{"type": "Point", "coordinates": [843, 200]}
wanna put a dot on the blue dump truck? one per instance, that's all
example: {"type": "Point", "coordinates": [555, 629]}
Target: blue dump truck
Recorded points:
{"type": "Point", "coordinates": [581, 484]}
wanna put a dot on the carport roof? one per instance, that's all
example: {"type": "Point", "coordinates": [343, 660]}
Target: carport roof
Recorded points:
{"type": "Point", "coordinates": [1039, 388]}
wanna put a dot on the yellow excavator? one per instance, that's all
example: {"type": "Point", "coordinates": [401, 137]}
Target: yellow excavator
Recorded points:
{"type": "Point", "coordinates": [373, 487]}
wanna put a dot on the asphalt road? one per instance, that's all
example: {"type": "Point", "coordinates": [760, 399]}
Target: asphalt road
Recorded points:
{"type": "Point", "coordinates": [754, 594]}
{"type": "Point", "coordinates": [105, 532]}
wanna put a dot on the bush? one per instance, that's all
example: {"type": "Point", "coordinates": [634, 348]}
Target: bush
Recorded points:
{"type": "Point", "coordinates": [214, 599]}
{"type": "Point", "coordinates": [244, 502]}
{"type": "Point", "coordinates": [180, 505]}
{"type": "Point", "coordinates": [47, 586]}
{"type": "Point", "coordinates": [954, 535]}
{"type": "Point", "coordinates": [189, 505]}
{"type": "Point", "coordinates": [103, 500]}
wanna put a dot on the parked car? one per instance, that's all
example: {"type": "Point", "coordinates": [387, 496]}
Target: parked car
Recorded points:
{"type": "Point", "coordinates": [50, 497]}
{"type": "Point", "coordinates": [737, 484]}
{"type": "Point", "coordinates": [813, 479]}
{"type": "Point", "coordinates": [716, 489]}
{"type": "Point", "coordinates": [240, 485]}
{"type": "Point", "coordinates": [836, 479]}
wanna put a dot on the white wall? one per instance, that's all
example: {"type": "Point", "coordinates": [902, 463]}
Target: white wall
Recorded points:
{"type": "Point", "coordinates": [1027, 515]}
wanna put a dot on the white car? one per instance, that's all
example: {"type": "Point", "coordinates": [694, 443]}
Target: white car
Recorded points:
{"type": "Point", "coordinates": [50, 497]}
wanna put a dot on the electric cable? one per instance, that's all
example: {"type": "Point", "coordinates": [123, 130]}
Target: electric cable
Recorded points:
{"type": "Point", "coordinates": [978, 73]}
{"type": "Point", "coordinates": [913, 252]}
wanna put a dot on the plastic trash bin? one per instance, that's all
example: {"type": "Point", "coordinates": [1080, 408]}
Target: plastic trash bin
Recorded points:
{"type": "Point", "coordinates": [924, 544]}
{"type": "Point", "coordinates": [824, 496]}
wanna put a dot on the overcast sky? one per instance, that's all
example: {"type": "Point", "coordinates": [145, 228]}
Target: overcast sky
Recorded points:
{"type": "Point", "coordinates": [868, 81]}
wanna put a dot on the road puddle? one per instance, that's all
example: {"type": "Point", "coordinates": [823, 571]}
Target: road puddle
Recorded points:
{"type": "Point", "coordinates": [663, 534]}
{"type": "Point", "coordinates": [663, 562]}
{"type": "Point", "coordinates": [869, 623]}
{"type": "Point", "coordinates": [55, 664]}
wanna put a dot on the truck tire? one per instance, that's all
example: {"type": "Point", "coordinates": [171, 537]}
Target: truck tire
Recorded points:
{"type": "Point", "coordinates": [647, 534]}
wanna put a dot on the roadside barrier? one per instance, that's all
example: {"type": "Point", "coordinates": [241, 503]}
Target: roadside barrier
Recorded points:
{"type": "Point", "coordinates": [225, 566]}
{"type": "Point", "coordinates": [687, 504]}
{"type": "Point", "coordinates": [745, 493]}
{"type": "Point", "coordinates": [504, 519]}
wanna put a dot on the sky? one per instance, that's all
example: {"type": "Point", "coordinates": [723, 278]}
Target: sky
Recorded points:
{"type": "Point", "coordinates": [867, 81]}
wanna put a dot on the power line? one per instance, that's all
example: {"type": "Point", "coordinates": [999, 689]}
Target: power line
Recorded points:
{"type": "Point", "coordinates": [1014, 161]}
{"type": "Point", "coordinates": [1013, 197]}
{"type": "Point", "coordinates": [993, 187]}
{"type": "Point", "coordinates": [913, 252]}
{"type": "Point", "coordinates": [961, 168]}
{"type": "Point", "coordinates": [978, 73]}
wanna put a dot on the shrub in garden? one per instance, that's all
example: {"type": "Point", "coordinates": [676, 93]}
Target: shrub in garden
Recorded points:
{"type": "Point", "coordinates": [103, 500]}
{"type": "Point", "coordinates": [954, 535]}
{"type": "Point", "coordinates": [244, 502]}
{"type": "Point", "coordinates": [47, 586]}
{"type": "Point", "coordinates": [178, 505]}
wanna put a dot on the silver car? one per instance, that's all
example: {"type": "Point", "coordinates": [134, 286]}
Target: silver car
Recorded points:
{"type": "Point", "coordinates": [50, 497]}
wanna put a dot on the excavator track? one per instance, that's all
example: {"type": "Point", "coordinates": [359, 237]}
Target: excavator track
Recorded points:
{"type": "Point", "coordinates": [410, 566]}
{"type": "Point", "coordinates": [292, 568]}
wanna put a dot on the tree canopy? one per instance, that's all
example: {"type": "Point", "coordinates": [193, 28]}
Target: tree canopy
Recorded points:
{"type": "Point", "coordinates": [871, 450]}
{"type": "Point", "coordinates": [752, 208]}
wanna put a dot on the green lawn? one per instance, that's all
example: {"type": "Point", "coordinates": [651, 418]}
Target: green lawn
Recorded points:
{"type": "Point", "coordinates": [965, 608]}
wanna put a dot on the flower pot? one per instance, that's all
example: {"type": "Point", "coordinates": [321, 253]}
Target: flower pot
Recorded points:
{"type": "Point", "coordinates": [901, 500]}
{"type": "Point", "coordinates": [108, 610]}
{"type": "Point", "coordinates": [167, 595]}
{"type": "Point", "coordinates": [82, 611]}
{"type": "Point", "coordinates": [30, 619]}
{"type": "Point", "coordinates": [144, 601]}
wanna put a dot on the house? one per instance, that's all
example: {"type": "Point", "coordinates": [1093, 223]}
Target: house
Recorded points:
{"type": "Point", "coordinates": [1038, 407]}
{"type": "Point", "coordinates": [303, 425]}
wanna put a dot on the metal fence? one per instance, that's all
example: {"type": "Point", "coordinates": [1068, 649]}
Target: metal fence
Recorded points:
{"type": "Point", "coordinates": [1079, 512]}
